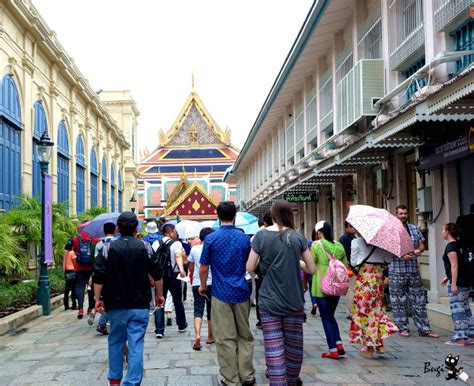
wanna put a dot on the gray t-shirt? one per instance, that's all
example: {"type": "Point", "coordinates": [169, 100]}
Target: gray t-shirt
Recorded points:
{"type": "Point", "coordinates": [281, 292]}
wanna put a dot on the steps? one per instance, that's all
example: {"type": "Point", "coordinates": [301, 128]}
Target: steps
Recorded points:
{"type": "Point", "coordinates": [439, 314]}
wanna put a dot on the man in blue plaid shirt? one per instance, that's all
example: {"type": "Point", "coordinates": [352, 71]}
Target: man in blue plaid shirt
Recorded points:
{"type": "Point", "coordinates": [406, 285]}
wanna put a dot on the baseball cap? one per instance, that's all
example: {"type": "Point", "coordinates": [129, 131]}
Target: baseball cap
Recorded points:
{"type": "Point", "coordinates": [128, 219]}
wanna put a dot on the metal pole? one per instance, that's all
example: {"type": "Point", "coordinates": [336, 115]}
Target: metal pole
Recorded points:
{"type": "Point", "coordinates": [44, 290]}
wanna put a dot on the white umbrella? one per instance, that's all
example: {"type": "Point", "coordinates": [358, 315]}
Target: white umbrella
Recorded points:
{"type": "Point", "coordinates": [207, 223]}
{"type": "Point", "coordinates": [187, 229]}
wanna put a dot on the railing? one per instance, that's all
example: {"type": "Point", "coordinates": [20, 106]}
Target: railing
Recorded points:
{"type": "Point", "coordinates": [449, 14]}
{"type": "Point", "coordinates": [369, 37]}
{"type": "Point", "coordinates": [299, 121]}
{"type": "Point", "coordinates": [409, 38]}
{"type": "Point", "coordinates": [325, 95]}
{"type": "Point", "coordinates": [311, 116]}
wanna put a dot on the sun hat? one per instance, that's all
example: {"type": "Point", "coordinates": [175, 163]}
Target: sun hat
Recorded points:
{"type": "Point", "coordinates": [151, 227]}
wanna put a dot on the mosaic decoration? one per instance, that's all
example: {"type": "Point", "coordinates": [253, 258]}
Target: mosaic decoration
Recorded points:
{"type": "Point", "coordinates": [194, 130]}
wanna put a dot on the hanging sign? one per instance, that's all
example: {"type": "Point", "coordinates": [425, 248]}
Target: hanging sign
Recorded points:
{"type": "Point", "coordinates": [307, 197]}
{"type": "Point", "coordinates": [48, 219]}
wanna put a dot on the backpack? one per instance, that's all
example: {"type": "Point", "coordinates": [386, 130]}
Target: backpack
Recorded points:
{"type": "Point", "coordinates": [466, 261]}
{"type": "Point", "coordinates": [84, 256]}
{"type": "Point", "coordinates": [336, 280]}
{"type": "Point", "coordinates": [162, 257]}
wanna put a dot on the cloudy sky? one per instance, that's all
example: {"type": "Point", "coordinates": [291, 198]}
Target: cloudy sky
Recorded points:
{"type": "Point", "coordinates": [151, 47]}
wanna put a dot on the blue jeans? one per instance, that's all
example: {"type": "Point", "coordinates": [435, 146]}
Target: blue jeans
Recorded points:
{"type": "Point", "coordinates": [327, 308]}
{"type": "Point", "coordinates": [310, 285]}
{"type": "Point", "coordinates": [82, 278]}
{"type": "Point", "coordinates": [104, 318]}
{"type": "Point", "coordinates": [174, 286]}
{"type": "Point", "coordinates": [127, 326]}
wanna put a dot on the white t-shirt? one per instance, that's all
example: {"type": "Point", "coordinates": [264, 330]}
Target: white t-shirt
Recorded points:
{"type": "Point", "coordinates": [194, 257]}
{"type": "Point", "coordinates": [176, 250]}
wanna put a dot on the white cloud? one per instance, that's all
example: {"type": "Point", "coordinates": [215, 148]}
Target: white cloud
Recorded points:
{"type": "Point", "coordinates": [235, 48]}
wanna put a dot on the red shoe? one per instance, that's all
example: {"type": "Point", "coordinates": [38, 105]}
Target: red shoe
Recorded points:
{"type": "Point", "coordinates": [80, 314]}
{"type": "Point", "coordinates": [89, 310]}
{"type": "Point", "coordinates": [330, 355]}
{"type": "Point", "coordinates": [115, 381]}
{"type": "Point", "coordinates": [340, 349]}
{"type": "Point", "coordinates": [197, 344]}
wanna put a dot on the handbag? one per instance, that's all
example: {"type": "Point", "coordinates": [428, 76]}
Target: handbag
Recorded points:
{"type": "Point", "coordinates": [70, 276]}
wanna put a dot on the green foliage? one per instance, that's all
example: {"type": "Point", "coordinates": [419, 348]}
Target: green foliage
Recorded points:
{"type": "Point", "coordinates": [16, 295]}
{"type": "Point", "coordinates": [90, 213]}
{"type": "Point", "coordinates": [11, 253]}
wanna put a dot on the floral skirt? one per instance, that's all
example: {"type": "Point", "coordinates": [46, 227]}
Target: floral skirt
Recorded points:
{"type": "Point", "coordinates": [370, 325]}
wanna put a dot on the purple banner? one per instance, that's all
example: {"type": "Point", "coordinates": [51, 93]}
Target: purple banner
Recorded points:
{"type": "Point", "coordinates": [48, 219]}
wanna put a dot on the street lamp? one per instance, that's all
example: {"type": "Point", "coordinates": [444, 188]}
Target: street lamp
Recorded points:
{"type": "Point", "coordinates": [43, 150]}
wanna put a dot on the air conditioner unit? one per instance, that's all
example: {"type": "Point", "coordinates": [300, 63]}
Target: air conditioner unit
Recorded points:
{"type": "Point", "coordinates": [357, 90]}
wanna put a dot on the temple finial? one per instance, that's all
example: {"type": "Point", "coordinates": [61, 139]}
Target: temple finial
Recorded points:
{"type": "Point", "coordinates": [192, 80]}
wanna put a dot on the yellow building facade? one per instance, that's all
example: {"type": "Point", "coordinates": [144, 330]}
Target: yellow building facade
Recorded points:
{"type": "Point", "coordinates": [92, 164]}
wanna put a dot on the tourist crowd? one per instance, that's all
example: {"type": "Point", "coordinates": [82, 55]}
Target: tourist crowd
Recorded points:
{"type": "Point", "coordinates": [129, 277]}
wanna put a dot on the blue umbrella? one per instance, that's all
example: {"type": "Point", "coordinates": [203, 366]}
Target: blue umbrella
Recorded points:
{"type": "Point", "coordinates": [245, 221]}
{"type": "Point", "coordinates": [95, 228]}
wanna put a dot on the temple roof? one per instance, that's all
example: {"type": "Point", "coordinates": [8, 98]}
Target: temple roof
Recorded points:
{"type": "Point", "coordinates": [182, 186]}
{"type": "Point", "coordinates": [193, 203]}
{"type": "Point", "coordinates": [194, 126]}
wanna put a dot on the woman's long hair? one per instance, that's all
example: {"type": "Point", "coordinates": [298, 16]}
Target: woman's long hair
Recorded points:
{"type": "Point", "coordinates": [326, 230]}
{"type": "Point", "coordinates": [282, 214]}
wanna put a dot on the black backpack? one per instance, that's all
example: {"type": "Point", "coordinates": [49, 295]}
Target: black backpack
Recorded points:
{"type": "Point", "coordinates": [162, 257]}
{"type": "Point", "coordinates": [466, 263]}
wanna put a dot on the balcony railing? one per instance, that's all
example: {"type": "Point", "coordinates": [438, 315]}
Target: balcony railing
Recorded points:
{"type": "Point", "coordinates": [449, 14]}
{"type": "Point", "coordinates": [325, 107]}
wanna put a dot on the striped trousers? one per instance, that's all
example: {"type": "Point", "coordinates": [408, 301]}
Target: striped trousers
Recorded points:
{"type": "Point", "coordinates": [283, 338]}
{"type": "Point", "coordinates": [461, 313]}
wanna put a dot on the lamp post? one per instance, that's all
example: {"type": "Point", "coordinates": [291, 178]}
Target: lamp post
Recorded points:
{"type": "Point", "coordinates": [133, 201]}
{"type": "Point", "coordinates": [44, 148]}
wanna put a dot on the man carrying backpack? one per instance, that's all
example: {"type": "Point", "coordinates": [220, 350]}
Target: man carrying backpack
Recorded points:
{"type": "Point", "coordinates": [122, 285]}
{"type": "Point", "coordinates": [169, 252]}
{"type": "Point", "coordinates": [83, 246]}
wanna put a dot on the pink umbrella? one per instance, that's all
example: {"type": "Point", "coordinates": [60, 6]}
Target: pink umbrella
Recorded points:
{"type": "Point", "coordinates": [380, 228]}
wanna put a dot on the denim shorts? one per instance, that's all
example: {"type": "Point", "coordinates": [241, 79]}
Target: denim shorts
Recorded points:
{"type": "Point", "coordinates": [199, 302]}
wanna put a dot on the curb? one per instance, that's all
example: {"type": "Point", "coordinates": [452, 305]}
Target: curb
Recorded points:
{"type": "Point", "coordinates": [12, 322]}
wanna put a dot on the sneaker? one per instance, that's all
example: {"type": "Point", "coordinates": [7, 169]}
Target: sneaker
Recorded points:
{"type": "Point", "coordinates": [169, 322]}
{"type": "Point", "coordinates": [457, 342]}
{"type": "Point", "coordinates": [330, 355]}
{"type": "Point", "coordinates": [314, 309]}
{"type": "Point", "coordinates": [159, 336]}
{"type": "Point", "coordinates": [103, 330]}
{"type": "Point", "coordinates": [259, 325]}
{"type": "Point", "coordinates": [183, 329]}
{"type": "Point", "coordinates": [90, 320]}
{"type": "Point", "coordinates": [80, 314]}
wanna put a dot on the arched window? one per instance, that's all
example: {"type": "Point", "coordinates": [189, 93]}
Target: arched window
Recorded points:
{"type": "Point", "coordinates": [10, 144]}
{"type": "Point", "coordinates": [63, 163]}
{"type": "Point", "coordinates": [112, 188]}
{"type": "Point", "coordinates": [104, 183]}
{"type": "Point", "coordinates": [40, 126]}
{"type": "Point", "coordinates": [80, 176]}
{"type": "Point", "coordinates": [120, 191]}
{"type": "Point", "coordinates": [94, 178]}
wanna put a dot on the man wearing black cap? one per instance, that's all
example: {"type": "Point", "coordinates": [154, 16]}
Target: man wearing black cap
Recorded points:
{"type": "Point", "coordinates": [122, 285]}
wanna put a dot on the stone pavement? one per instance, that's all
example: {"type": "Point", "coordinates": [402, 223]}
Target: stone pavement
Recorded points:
{"type": "Point", "coordinates": [62, 350]}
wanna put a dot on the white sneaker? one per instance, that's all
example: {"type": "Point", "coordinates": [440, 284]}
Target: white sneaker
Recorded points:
{"type": "Point", "coordinates": [159, 336]}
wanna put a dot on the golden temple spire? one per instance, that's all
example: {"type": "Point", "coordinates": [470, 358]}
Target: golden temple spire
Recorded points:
{"type": "Point", "coordinates": [192, 81]}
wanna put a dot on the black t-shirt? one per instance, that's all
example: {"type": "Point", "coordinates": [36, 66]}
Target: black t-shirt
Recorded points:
{"type": "Point", "coordinates": [463, 274]}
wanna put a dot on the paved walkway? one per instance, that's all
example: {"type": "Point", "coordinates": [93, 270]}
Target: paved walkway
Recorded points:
{"type": "Point", "coordinates": [60, 349]}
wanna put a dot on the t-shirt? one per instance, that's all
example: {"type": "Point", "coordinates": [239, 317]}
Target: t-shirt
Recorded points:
{"type": "Point", "coordinates": [176, 249]}
{"type": "Point", "coordinates": [69, 262]}
{"type": "Point", "coordinates": [194, 257]}
{"type": "Point", "coordinates": [463, 274]}
{"type": "Point", "coordinates": [227, 251]}
{"type": "Point", "coordinates": [281, 293]}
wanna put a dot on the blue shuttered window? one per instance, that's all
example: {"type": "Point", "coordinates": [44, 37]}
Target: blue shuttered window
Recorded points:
{"type": "Point", "coordinates": [39, 128]}
{"type": "Point", "coordinates": [94, 178]}
{"type": "Point", "coordinates": [104, 183]}
{"type": "Point", "coordinates": [80, 176]}
{"type": "Point", "coordinates": [120, 191]}
{"type": "Point", "coordinates": [112, 188]}
{"type": "Point", "coordinates": [464, 41]}
{"type": "Point", "coordinates": [63, 163]}
{"type": "Point", "coordinates": [10, 144]}
{"type": "Point", "coordinates": [419, 83]}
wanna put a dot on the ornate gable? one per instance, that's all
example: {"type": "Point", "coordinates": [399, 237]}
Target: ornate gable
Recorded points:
{"type": "Point", "coordinates": [182, 186]}
{"type": "Point", "coordinates": [194, 203]}
{"type": "Point", "coordinates": [194, 127]}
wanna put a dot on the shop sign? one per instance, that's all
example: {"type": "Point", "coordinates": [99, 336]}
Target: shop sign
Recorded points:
{"type": "Point", "coordinates": [432, 154]}
{"type": "Point", "coordinates": [309, 197]}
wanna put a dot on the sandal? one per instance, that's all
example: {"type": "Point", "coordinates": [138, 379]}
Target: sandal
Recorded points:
{"type": "Point", "coordinates": [366, 352]}
{"type": "Point", "coordinates": [380, 350]}
{"type": "Point", "coordinates": [431, 334]}
{"type": "Point", "coordinates": [210, 341]}
{"type": "Point", "coordinates": [197, 344]}
{"type": "Point", "coordinates": [406, 334]}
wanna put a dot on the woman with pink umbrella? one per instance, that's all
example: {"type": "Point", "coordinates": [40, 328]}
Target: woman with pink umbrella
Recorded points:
{"type": "Point", "coordinates": [388, 239]}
